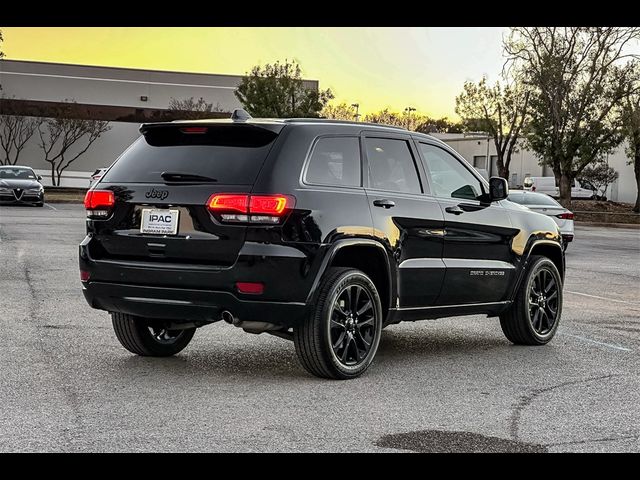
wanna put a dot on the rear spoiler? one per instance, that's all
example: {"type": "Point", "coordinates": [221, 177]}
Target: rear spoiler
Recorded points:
{"type": "Point", "coordinates": [238, 117]}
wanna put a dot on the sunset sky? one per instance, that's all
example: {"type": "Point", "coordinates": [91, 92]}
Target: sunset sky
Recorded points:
{"type": "Point", "coordinates": [376, 67]}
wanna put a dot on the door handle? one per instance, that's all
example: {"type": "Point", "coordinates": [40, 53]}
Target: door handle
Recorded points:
{"type": "Point", "coordinates": [384, 203]}
{"type": "Point", "coordinates": [456, 210]}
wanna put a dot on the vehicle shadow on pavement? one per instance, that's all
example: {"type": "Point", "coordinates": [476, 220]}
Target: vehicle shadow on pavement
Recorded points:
{"type": "Point", "coordinates": [268, 359]}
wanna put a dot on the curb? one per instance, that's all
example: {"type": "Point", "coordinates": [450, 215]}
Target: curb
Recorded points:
{"type": "Point", "coordinates": [633, 226]}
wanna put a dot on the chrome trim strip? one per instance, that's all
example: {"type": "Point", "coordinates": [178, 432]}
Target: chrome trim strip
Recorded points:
{"type": "Point", "coordinates": [433, 307]}
{"type": "Point", "coordinates": [422, 263]}
{"type": "Point", "coordinates": [473, 263]}
{"type": "Point", "coordinates": [455, 263]}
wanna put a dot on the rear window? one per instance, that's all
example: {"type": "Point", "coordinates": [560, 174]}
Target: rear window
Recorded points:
{"type": "Point", "coordinates": [231, 154]}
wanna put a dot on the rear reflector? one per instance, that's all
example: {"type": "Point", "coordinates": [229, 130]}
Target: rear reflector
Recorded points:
{"type": "Point", "coordinates": [255, 288]}
{"type": "Point", "coordinates": [95, 199]}
{"type": "Point", "coordinates": [566, 216]}
{"type": "Point", "coordinates": [84, 275]}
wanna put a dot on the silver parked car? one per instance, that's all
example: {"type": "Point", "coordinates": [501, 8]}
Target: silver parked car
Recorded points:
{"type": "Point", "coordinates": [542, 203]}
{"type": "Point", "coordinates": [97, 175]}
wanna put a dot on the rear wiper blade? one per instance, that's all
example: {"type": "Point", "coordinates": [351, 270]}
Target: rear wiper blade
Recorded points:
{"type": "Point", "coordinates": [185, 177]}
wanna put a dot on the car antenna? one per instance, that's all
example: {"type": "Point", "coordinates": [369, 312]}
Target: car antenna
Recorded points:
{"type": "Point", "coordinates": [240, 115]}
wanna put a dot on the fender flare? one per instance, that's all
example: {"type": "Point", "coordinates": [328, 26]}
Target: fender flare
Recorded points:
{"type": "Point", "coordinates": [350, 242]}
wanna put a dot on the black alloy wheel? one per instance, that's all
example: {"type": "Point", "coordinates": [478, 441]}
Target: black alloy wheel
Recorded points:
{"type": "Point", "coordinates": [340, 337]}
{"type": "Point", "coordinates": [543, 301]}
{"type": "Point", "coordinates": [352, 325]}
{"type": "Point", "coordinates": [534, 315]}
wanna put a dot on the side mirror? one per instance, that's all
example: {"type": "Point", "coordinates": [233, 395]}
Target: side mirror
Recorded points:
{"type": "Point", "coordinates": [39, 177]}
{"type": "Point", "coordinates": [498, 188]}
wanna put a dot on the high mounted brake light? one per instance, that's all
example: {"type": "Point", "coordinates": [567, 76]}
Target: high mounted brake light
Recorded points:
{"type": "Point", "coordinates": [245, 208]}
{"type": "Point", "coordinates": [194, 130]}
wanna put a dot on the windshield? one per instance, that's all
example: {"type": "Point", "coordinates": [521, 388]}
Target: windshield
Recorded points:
{"type": "Point", "coordinates": [13, 173]}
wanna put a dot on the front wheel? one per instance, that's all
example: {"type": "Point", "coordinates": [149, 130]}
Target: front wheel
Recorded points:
{"type": "Point", "coordinates": [534, 316]}
{"type": "Point", "coordinates": [147, 337]}
{"type": "Point", "coordinates": [340, 337]}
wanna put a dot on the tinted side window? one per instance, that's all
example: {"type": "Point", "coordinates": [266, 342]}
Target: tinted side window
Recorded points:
{"type": "Point", "coordinates": [335, 161]}
{"type": "Point", "coordinates": [449, 178]}
{"type": "Point", "coordinates": [391, 165]}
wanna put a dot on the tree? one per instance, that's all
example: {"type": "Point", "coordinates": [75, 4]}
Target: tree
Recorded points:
{"type": "Point", "coordinates": [578, 80]}
{"type": "Point", "coordinates": [599, 176]}
{"type": "Point", "coordinates": [387, 118]}
{"type": "Point", "coordinates": [277, 90]}
{"type": "Point", "coordinates": [631, 128]}
{"type": "Point", "coordinates": [499, 110]}
{"type": "Point", "coordinates": [59, 134]}
{"type": "Point", "coordinates": [339, 112]}
{"type": "Point", "coordinates": [191, 109]}
{"type": "Point", "coordinates": [15, 132]}
{"type": "Point", "coordinates": [440, 125]}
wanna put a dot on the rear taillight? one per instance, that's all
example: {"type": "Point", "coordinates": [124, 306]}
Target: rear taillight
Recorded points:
{"type": "Point", "coordinates": [565, 216]}
{"type": "Point", "coordinates": [99, 203]}
{"type": "Point", "coordinates": [245, 208]}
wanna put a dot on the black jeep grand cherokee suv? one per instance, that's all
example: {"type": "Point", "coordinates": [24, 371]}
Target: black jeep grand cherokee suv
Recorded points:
{"type": "Point", "coordinates": [318, 231]}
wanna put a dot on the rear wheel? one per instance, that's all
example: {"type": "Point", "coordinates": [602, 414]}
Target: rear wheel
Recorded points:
{"type": "Point", "coordinates": [340, 337]}
{"type": "Point", "coordinates": [534, 316]}
{"type": "Point", "coordinates": [148, 337]}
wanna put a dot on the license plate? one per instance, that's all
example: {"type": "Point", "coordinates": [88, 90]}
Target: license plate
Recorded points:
{"type": "Point", "coordinates": [159, 222]}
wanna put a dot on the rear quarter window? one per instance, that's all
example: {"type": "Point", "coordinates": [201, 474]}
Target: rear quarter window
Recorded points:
{"type": "Point", "coordinates": [335, 161]}
{"type": "Point", "coordinates": [231, 154]}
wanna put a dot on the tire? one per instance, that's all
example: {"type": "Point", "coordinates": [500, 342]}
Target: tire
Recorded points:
{"type": "Point", "coordinates": [329, 341]}
{"type": "Point", "coordinates": [519, 322]}
{"type": "Point", "coordinates": [136, 334]}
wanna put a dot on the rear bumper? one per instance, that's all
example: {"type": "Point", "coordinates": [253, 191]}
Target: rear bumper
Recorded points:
{"type": "Point", "coordinates": [199, 292]}
{"type": "Point", "coordinates": [187, 304]}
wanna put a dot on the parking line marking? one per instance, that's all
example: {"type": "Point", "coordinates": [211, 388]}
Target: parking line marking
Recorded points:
{"type": "Point", "coordinates": [603, 298]}
{"type": "Point", "coordinates": [53, 208]}
{"type": "Point", "coordinates": [588, 340]}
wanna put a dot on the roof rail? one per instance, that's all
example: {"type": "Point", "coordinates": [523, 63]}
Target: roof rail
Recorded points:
{"type": "Point", "coordinates": [240, 115]}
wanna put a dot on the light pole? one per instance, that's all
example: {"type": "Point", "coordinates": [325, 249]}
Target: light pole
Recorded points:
{"type": "Point", "coordinates": [356, 106]}
{"type": "Point", "coordinates": [408, 111]}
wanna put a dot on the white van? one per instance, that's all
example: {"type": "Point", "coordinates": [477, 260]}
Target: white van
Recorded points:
{"type": "Point", "coordinates": [548, 186]}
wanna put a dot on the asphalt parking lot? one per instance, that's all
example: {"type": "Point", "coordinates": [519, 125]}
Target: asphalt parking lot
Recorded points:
{"type": "Point", "coordinates": [455, 384]}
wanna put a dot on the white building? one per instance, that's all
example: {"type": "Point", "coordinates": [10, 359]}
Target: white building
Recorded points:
{"type": "Point", "coordinates": [124, 96]}
{"type": "Point", "coordinates": [476, 149]}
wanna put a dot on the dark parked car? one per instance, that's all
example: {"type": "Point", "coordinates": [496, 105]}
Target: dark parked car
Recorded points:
{"type": "Point", "coordinates": [322, 232]}
{"type": "Point", "coordinates": [20, 185]}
